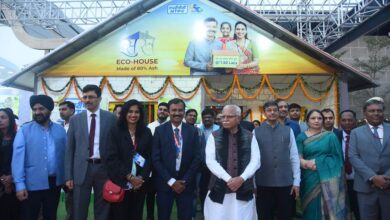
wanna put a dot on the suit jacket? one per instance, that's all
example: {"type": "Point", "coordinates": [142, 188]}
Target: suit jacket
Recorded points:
{"type": "Point", "coordinates": [368, 159]}
{"type": "Point", "coordinates": [164, 156]}
{"type": "Point", "coordinates": [121, 152]}
{"type": "Point", "coordinates": [77, 152]}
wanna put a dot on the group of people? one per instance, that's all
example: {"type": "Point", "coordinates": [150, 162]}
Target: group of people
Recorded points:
{"type": "Point", "coordinates": [198, 56]}
{"type": "Point", "coordinates": [236, 172]}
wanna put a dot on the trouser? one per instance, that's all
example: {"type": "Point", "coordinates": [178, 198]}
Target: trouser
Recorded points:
{"type": "Point", "coordinates": [353, 201]}
{"type": "Point", "coordinates": [95, 178]}
{"type": "Point", "coordinates": [184, 204]}
{"type": "Point", "coordinates": [150, 199]}
{"type": "Point", "coordinates": [47, 199]}
{"type": "Point", "coordinates": [274, 201]}
{"type": "Point", "coordinates": [374, 205]}
{"type": "Point", "coordinates": [131, 208]}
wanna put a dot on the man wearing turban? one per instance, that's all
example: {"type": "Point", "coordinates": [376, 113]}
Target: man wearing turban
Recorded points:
{"type": "Point", "coordinates": [38, 161]}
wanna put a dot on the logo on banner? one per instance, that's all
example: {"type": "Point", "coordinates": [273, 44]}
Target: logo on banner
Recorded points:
{"type": "Point", "coordinates": [139, 43]}
{"type": "Point", "coordinates": [177, 9]}
{"type": "Point", "coordinates": [195, 8]}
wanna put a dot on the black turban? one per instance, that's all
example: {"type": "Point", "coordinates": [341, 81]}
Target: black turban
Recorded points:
{"type": "Point", "coordinates": [44, 100]}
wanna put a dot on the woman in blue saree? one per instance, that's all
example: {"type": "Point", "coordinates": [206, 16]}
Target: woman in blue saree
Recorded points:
{"type": "Point", "coordinates": [322, 184]}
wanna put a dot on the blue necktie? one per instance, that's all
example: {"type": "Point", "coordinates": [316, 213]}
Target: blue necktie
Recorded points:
{"type": "Point", "coordinates": [177, 141]}
{"type": "Point", "coordinates": [376, 136]}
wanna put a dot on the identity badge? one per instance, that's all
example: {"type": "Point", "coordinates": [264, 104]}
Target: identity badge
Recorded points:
{"type": "Point", "coordinates": [138, 159]}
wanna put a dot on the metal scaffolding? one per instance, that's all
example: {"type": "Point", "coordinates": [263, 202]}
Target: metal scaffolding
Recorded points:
{"type": "Point", "coordinates": [319, 22]}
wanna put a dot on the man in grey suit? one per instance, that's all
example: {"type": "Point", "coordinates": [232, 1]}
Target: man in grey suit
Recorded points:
{"type": "Point", "coordinates": [369, 154]}
{"type": "Point", "coordinates": [86, 152]}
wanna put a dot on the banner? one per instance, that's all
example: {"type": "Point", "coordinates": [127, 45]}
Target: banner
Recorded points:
{"type": "Point", "coordinates": [187, 37]}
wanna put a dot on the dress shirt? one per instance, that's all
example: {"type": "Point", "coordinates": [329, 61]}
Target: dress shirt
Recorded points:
{"type": "Point", "coordinates": [220, 172]}
{"type": "Point", "coordinates": [96, 150]}
{"type": "Point", "coordinates": [208, 131]}
{"type": "Point", "coordinates": [152, 126]}
{"type": "Point", "coordinates": [51, 151]}
{"type": "Point", "coordinates": [198, 54]}
{"type": "Point", "coordinates": [351, 175]}
{"type": "Point", "coordinates": [66, 126]}
{"type": "Point", "coordinates": [178, 158]}
{"type": "Point", "coordinates": [294, 158]}
{"type": "Point", "coordinates": [380, 131]}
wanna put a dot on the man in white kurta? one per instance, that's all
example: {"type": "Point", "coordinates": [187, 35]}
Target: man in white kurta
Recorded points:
{"type": "Point", "coordinates": [232, 155]}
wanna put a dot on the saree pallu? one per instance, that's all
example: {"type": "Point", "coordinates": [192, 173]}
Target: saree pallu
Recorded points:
{"type": "Point", "coordinates": [248, 53]}
{"type": "Point", "coordinates": [323, 190]}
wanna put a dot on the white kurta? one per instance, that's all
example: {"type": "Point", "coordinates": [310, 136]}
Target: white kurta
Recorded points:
{"type": "Point", "coordinates": [231, 208]}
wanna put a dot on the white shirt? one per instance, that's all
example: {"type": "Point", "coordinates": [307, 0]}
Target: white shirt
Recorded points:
{"type": "Point", "coordinates": [96, 151]}
{"type": "Point", "coordinates": [178, 158]}
{"type": "Point", "coordinates": [152, 126]}
{"type": "Point", "coordinates": [294, 159]}
{"type": "Point", "coordinates": [380, 131]}
{"type": "Point", "coordinates": [351, 175]}
{"type": "Point", "coordinates": [66, 126]}
{"type": "Point", "coordinates": [220, 172]}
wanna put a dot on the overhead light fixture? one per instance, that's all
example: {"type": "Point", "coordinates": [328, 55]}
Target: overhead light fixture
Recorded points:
{"type": "Point", "coordinates": [2, 67]}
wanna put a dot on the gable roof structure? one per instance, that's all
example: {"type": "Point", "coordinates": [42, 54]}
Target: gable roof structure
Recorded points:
{"type": "Point", "coordinates": [26, 78]}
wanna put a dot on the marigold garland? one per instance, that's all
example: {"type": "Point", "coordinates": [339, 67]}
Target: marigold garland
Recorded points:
{"type": "Point", "coordinates": [68, 86]}
{"type": "Point", "coordinates": [112, 93]}
{"type": "Point", "coordinates": [228, 91]}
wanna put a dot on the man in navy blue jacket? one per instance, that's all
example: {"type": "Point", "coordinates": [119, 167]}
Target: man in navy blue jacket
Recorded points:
{"type": "Point", "coordinates": [176, 158]}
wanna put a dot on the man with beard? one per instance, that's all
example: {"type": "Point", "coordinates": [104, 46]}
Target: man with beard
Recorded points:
{"type": "Point", "coordinates": [67, 110]}
{"type": "Point", "coordinates": [38, 161]}
{"type": "Point", "coordinates": [294, 113]}
{"type": "Point", "coordinates": [347, 123]}
{"type": "Point", "coordinates": [207, 127]}
{"type": "Point", "coordinates": [86, 152]}
{"type": "Point", "coordinates": [329, 121]}
{"type": "Point", "coordinates": [283, 113]}
{"type": "Point", "coordinates": [176, 158]}
{"type": "Point", "coordinates": [162, 116]}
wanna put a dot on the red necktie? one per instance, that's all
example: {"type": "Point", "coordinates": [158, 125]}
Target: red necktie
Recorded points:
{"type": "Point", "coordinates": [347, 164]}
{"type": "Point", "coordinates": [92, 134]}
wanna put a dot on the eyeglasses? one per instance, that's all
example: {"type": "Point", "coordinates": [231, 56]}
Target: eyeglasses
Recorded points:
{"type": "Point", "coordinates": [89, 97]}
{"type": "Point", "coordinates": [223, 117]}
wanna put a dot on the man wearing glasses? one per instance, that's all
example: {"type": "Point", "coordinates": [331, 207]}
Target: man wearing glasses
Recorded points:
{"type": "Point", "coordinates": [232, 155]}
{"type": "Point", "coordinates": [85, 155]}
{"type": "Point", "coordinates": [369, 154]}
{"type": "Point", "coordinates": [278, 178]}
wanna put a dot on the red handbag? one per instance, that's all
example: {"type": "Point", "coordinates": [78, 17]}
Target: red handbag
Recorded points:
{"type": "Point", "coordinates": [112, 192]}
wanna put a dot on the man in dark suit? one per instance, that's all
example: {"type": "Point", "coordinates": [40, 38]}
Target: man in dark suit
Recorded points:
{"type": "Point", "coordinates": [369, 154]}
{"type": "Point", "coordinates": [347, 123]}
{"type": "Point", "coordinates": [176, 158]}
{"type": "Point", "coordinates": [86, 152]}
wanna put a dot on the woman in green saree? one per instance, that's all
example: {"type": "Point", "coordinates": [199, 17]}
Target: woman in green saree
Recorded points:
{"type": "Point", "coordinates": [322, 184]}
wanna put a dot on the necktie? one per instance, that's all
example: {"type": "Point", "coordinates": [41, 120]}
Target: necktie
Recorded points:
{"type": "Point", "coordinates": [347, 164]}
{"type": "Point", "coordinates": [177, 141]}
{"type": "Point", "coordinates": [376, 136]}
{"type": "Point", "coordinates": [92, 134]}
